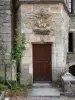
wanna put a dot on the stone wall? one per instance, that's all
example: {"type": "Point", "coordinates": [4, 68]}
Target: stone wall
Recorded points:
{"type": "Point", "coordinates": [61, 44]}
{"type": "Point", "coordinates": [5, 30]}
{"type": "Point", "coordinates": [58, 23]}
{"type": "Point", "coordinates": [74, 6]}
{"type": "Point", "coordinates": [5, 23]}
{"type": "Point", "coordinates": [18, 20]}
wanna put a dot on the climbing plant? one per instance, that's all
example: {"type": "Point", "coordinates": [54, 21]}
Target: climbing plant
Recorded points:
{"type": "Point", "coordinates": [19, 46]}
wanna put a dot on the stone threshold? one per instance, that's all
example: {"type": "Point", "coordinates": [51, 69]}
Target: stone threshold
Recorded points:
{"type": "Point", "coordinates": [43, 90]}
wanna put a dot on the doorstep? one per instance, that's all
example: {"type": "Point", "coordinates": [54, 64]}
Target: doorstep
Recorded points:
{"type": "Point", "coordinates": [43, 89]}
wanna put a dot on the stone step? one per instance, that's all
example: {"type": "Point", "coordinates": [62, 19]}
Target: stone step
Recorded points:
{"type": "Point", "coordinates": [43, 92]}
{"type": "Point", "coordinates": [42, 85]}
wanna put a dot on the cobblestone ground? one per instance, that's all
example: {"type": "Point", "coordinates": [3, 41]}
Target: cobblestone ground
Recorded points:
{"type": "Point", "coordinates": [46, 98]}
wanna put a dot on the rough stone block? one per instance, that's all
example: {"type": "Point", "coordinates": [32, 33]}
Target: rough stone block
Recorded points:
{"type": "Point", "coordinates": [68, 83]}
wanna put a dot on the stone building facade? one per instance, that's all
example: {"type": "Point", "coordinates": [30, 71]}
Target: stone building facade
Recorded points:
{"type": "Point", "coordinates": [57, 22]}
{"type": "Point", "coordinates": [43, 23]}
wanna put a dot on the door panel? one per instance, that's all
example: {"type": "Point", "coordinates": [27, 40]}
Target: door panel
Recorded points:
{"type": "Point", "coordinates": [42, 62]}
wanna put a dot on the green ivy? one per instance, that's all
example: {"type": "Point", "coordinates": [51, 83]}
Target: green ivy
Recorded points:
{"type": "Point", "coordinates": [19, 46]}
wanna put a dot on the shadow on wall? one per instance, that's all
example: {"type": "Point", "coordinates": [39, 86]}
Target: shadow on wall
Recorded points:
{"type": "Point", "coordinates": [72, 70]}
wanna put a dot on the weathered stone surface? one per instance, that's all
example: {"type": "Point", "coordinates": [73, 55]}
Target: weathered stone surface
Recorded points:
{"type": "Point", "coordinates": [72, 21]}
{"type": "Point", "coordinates": [68, 83]}
{"type": "Point", "coordinates": [58, 25]}
{"type": "Point", "coordinates": [70, 57]}
{"type": "Point", "coordinates": [5, 30]}
{"type": "Point", "coordinates": [11, 73]}
{"type": "Point", "coordinates": [5, 19]}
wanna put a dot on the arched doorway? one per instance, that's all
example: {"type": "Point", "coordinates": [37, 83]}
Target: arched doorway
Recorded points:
{"type": "Point", "coordinates": [72, 70]}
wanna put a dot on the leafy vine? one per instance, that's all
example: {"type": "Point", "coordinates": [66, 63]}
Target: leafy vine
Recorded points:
{"type": "Point", "coordinates": [19, 46]}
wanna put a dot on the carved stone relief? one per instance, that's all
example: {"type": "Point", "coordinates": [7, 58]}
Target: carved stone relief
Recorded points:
{"type": "Point", "coordinates": [42, 21]}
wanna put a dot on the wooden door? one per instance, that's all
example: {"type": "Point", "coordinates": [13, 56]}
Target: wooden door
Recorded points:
{"type": "Point", "coordinates": [42, 63]}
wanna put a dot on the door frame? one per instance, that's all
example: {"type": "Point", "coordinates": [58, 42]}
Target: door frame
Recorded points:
{"type": "Point", "coordinates": [51, 43]}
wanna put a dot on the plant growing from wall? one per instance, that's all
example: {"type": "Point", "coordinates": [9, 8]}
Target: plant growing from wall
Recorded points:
{"type": "Point", "coordinates": [19, 42]}
{"type": "Point", "coordinates": [19, 46]}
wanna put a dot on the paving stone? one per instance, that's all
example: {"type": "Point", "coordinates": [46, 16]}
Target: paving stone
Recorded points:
{"type": "Point", "coordinates": [45, 98]}
{"type": "Point", "coordinates": [43, 92]}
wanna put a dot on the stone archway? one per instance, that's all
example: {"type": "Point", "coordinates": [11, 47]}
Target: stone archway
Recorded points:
{"type": "Point", "coordinates": [72, 70]}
